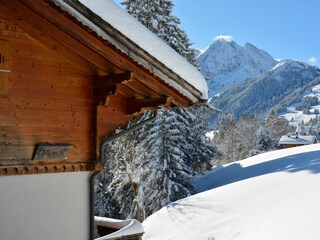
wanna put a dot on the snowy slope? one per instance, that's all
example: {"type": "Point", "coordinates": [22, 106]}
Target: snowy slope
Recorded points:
{"type": "Point", "coordinates": [295, 116]}
{"type": "Point", "coordinates": [224, 63]}
{"type": "Point", "coordinates": [269, 196]}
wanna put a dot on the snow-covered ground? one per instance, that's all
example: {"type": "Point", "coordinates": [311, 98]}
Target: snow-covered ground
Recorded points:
{"type": "Point", "coordinates": [274, 196]}
{"type": "Point", "coordinates": [295, 117]}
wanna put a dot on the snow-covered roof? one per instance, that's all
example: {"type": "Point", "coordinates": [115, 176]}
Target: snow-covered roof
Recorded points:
{"type": "Point", "coordinates": [297, 139]}
{"type": "Point", "coordinates": [188, 78]}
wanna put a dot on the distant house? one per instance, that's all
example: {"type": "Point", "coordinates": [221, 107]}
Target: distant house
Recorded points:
{"type": "Point", "coordinates": [288, 141]}
{"type": "Point", "coordinates": [71, 72]}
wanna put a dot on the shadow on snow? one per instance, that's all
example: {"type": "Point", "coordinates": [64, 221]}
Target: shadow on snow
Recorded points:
{"type": "Point", "coordinates": [309, 161]}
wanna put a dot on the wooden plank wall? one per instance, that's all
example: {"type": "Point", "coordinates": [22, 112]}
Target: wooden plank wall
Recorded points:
{"type": "Point", "coordinates": [46, 99]}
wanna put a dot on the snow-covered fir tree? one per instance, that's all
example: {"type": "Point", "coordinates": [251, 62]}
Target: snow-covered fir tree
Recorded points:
{"type": "Point", "coordinates": [154, 165]}
{"type": "Point", "coordinates": [167, 173]}
{"type": "Point", "coordinates": [157, 16]}
{"type": "Point", "coordinates": [117, 184]}
{"type": "Point", "coordinates": [203, 150]}
{"type": "Point", "coordinates": [315, 125]}
{"type": "Point", "coordinates": [176, 150]}
{"type": "Point", "coordinates": [263, 142]}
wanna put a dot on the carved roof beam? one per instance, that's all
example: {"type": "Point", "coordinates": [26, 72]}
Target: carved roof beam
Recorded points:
{"type": "Point", "coordinates": [137, 105]}
{"type": "Point", "coordinates": [107, 85]}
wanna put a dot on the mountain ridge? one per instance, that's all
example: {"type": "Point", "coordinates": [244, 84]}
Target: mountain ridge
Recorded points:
{"type": "Point", "coordinates": [280, 87]}
{"type": "Point", "coordinates": [247, 80]}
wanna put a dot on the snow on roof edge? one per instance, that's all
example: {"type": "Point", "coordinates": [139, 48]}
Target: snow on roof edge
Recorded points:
{"type": "Point", "coordinates": [126, 227]}
{"type": "Point", "coordinates": [299, 139]}
{"type": "Point", "coordinates": [127, 25]}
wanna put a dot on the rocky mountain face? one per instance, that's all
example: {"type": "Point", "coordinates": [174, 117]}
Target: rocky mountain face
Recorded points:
{"type": "Point", "coordinates": [225, 63]}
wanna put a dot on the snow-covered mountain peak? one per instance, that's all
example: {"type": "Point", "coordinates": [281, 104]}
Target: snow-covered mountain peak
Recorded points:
{"type": "Point", "coordinates": [221, 45]}
{"type": "Point", "coordinates": [224, 63]}
{"type": "Point", "coordinates": [227, 38]}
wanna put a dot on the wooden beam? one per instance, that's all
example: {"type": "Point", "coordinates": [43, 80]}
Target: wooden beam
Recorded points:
{"type": "Point", "coordinates": [136, 105]}
{"type": "Point", "coordinates": [141, 89]}
{"type": "Point", "coordinates": [41, 168]}
{"type": "Point", "coordinates": [107, 85]}
{"type": "Point", "coordinates": [111, 116]}
{"type": "Point", "coordinates": [127, 92]}
{"type": "Point", "coordinates": [113, 79]}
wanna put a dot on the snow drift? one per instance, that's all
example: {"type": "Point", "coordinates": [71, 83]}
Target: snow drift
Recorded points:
{"type": "Point", "coordinates": [269, 196]}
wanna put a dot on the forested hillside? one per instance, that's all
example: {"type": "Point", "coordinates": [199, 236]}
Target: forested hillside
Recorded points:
{"type": "Point", "coordinates": [279, 88]}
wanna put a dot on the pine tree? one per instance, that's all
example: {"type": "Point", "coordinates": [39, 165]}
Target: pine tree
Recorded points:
{"type": "Point", "coordinates": [202, 150]}
{"type": "Point", "coordinates": [264, 142]}
{"type": "Point", "coordinates": [116, 185]}
{"type": "Point", "coordinates": [157, 16]}
{"type": "Point", "coordinates": [173, 149]}
{"type": "Point", "coordinates": [168, 176]}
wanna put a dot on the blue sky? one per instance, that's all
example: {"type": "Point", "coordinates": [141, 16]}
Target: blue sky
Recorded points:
{"type": "Point", "coordinates": [283, 28]}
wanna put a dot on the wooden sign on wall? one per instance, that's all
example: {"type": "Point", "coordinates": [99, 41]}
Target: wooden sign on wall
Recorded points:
{"type": "Point", "coordinates": [52, 151]}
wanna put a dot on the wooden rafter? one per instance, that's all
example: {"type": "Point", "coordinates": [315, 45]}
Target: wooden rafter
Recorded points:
{"type": "Point", "coordinates": [107, 85]}
{"type": "Point", "coordinates": [136, 105]}
{"type": "Point", "coordinates": [141, 89]}
{"type": "Point", "coordinates": [127, 92]}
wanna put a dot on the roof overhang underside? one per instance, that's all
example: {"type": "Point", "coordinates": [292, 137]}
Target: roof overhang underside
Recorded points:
{"type": "Point", "coordinates": [128, 48]}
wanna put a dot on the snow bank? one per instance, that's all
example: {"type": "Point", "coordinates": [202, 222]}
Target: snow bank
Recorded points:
{"type": "Point", "coordinates": [269, 196]}
{"type": "Point", "coordinates": [127, 227]}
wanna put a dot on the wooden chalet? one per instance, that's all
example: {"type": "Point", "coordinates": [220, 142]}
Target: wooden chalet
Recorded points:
{"type": "Point", "coordinates": [288, 141]}
{"type": "Point", "coordinates": [71, 72]}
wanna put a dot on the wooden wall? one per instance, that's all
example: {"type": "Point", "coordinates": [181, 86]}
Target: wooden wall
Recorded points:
{"type": "Point", "coordinates": [44, 98]}
{"type": "Point", "coordinates": [62, 84]}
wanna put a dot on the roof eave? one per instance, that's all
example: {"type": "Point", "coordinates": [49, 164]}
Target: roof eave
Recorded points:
{"type": "Point", "coordinates": [129, 48]}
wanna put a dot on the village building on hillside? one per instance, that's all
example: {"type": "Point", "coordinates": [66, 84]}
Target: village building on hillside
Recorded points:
{"type": "Point", "coordinates": [288, 141]}
{"type": "Point", "coordinates": [71, 72]}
